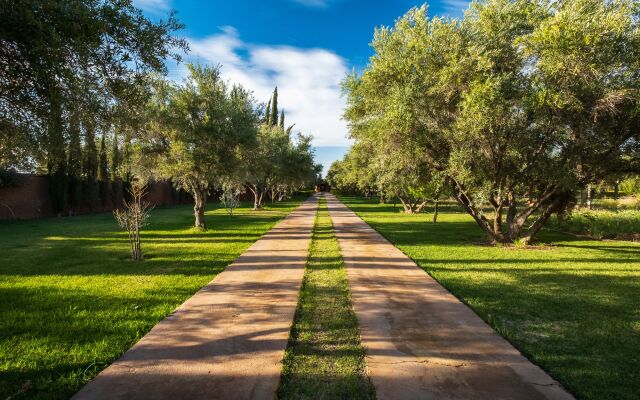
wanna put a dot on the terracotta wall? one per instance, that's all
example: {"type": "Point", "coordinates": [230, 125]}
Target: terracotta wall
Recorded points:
{"type": "Point", "coordinates": [30, 199]}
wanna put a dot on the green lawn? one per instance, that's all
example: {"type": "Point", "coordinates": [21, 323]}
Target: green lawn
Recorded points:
{"type": "Point", "coordinates": [72, 302]}
{"type": "Point", "coordinates": [324, 359]}
{"type": "Point", "coordinates": [573, 306]}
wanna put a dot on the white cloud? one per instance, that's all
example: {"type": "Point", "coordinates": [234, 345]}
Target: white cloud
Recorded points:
{"type": "Point", "coordinates": [308, 80]}
{"type": "Point", "coordinates": [456, 7]}
{"type": "Point", "coordinates": [153, 6]}
{"type": "Point", "coordinates": [313, 3]}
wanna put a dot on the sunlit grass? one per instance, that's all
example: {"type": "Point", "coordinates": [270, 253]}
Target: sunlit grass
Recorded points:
{"type": "Point", "coordinates": [572, 305]}
{"type": "Point", "coordinates": [72, 301]}
{"type": "Point", "coordinates": [324, 359]}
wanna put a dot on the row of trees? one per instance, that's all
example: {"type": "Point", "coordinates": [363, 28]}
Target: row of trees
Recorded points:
{"type": "Point", "coordinates": [84, 100]}
{"type": "Point", "coordinates": [515, 108]}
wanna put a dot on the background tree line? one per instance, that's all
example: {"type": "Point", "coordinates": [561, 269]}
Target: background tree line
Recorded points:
{"type": "Point", "coordinates": [514, 109]}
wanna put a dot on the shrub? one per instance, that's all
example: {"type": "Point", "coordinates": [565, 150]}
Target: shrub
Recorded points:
{"type": "Point", "coordinates": [134, 216]}
{"type": "Point", "coordinates": [230, 197]}
{"type": "Point", "coordinates": [631, 186]}
{"type": "Point", "coordinates": [601, 223]}
{"type": "Point", "coordinates": [624, 203]}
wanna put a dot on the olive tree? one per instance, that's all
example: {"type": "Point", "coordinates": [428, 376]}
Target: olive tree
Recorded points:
{"type": "Point", "coordinates": [196, 131]}
{"type": "Point", "coordinates": [518, 105]}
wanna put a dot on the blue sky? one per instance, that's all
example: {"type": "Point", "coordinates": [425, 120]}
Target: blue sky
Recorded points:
{"type": "Point", "coordinates": [305, 47]}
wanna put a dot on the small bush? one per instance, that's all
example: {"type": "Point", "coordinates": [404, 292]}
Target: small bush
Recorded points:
{"type": "Point", "coordinates": [230, 197]}
{"type": "Point", "coordinates": [631, 186]}
{"type": "Point", "coordinates": [133, 217]}
{"type": "Point", "coordinates": [625, 203]}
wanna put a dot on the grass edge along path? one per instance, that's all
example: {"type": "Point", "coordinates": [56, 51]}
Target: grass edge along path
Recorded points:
{"type": "Point", "coordinates": [324, 358]}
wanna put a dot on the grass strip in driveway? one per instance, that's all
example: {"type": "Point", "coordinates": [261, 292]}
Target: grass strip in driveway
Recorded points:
{"type": "Point", "coordinates": [324, 358]}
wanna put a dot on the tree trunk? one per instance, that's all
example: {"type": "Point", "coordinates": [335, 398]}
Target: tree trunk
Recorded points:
{"type": "Point", "coordinates": [468, 206]}
{"type": "Point", "coordinates": [200, 202]}
{"type": "Point", "coordinates": [616, 189]}
{"type": "Point", "coordinates": [419, 207]}
{"type": "Point", "coordinates": [558, 202]}
{"type": "Point", "coordinates": [435, 211]}
{"type": "Point", "coordinates": [589, 196]}
{"type": "Point", "coordinates": [257, 199]}
{"type": "Point", "coordinates": [406, 206]}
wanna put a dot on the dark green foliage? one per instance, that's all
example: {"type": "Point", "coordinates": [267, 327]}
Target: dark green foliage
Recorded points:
{"type": "Point", "coordinates": [267, 113]}
{"type": "Point", "coordinates": [103, 172]}
{"type": "Point", "coordinates": [282, 119]}
{"type": "Point", "coordinates": [125, 170]}
{"type": "Point", "coordinates": [115, 159]}
{"type": "Point", "coordinates": [90, 167]}
{"type": "Point", "coordinates": [58, 187]}
{"type": "Point", "coordinates": [56, 155]}
{"type": "Point", "coordinates": [274, 107]}
{"type": "Point", "coordinates": [74, 164]}
{"type": "Point", "coordinates": [114, 184]}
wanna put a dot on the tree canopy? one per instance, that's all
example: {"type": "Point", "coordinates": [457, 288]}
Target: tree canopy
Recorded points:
{"type": "Point", "coordinates": [196, 132]}
{"type": "Point", "coordinates": [71, 68]}
{"type": "Point", "coordinates": [517, 105]}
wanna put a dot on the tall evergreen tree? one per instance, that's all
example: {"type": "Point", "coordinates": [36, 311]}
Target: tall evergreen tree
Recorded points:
{"type": "Point", "coordinates": [91, 166]}
{"type": "Point", "coordinates": [282, 119]}
{"type": "Point", "coordinates": [103, 171]}
{"type": "Point", "coordinates": [274, 107]}
{"type": "Point", "coordinates": [113, 170]}
{"type": "Point", "coordinates": [56, 155]}
{"type": "Point", "coordinates": [126, 173]}
{"type": "Point", "coordinates": [74, 163]}
{"type": "Point", "coordinates": [267, 114]}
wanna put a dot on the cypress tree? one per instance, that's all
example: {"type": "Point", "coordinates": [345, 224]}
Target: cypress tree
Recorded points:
{"type": "Point", "coordinates": [282, 119]}
{"type": "Point", "coordinates": [103, 171]}
{"type": "Point", "coordinates": [56, 155]}
{"type": "Point", "coordinates": [74, 163]}
{"type": "Point", "coordinates": [113, 170]}
{"type": "Point", "coordinates": [126, 176]}
{"type": "Point", "coordinates": [267, 114]}
{"type": "Point", "coordinates": [91, 166]}
{"type": "Point", "coordinates": [274, 107]}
